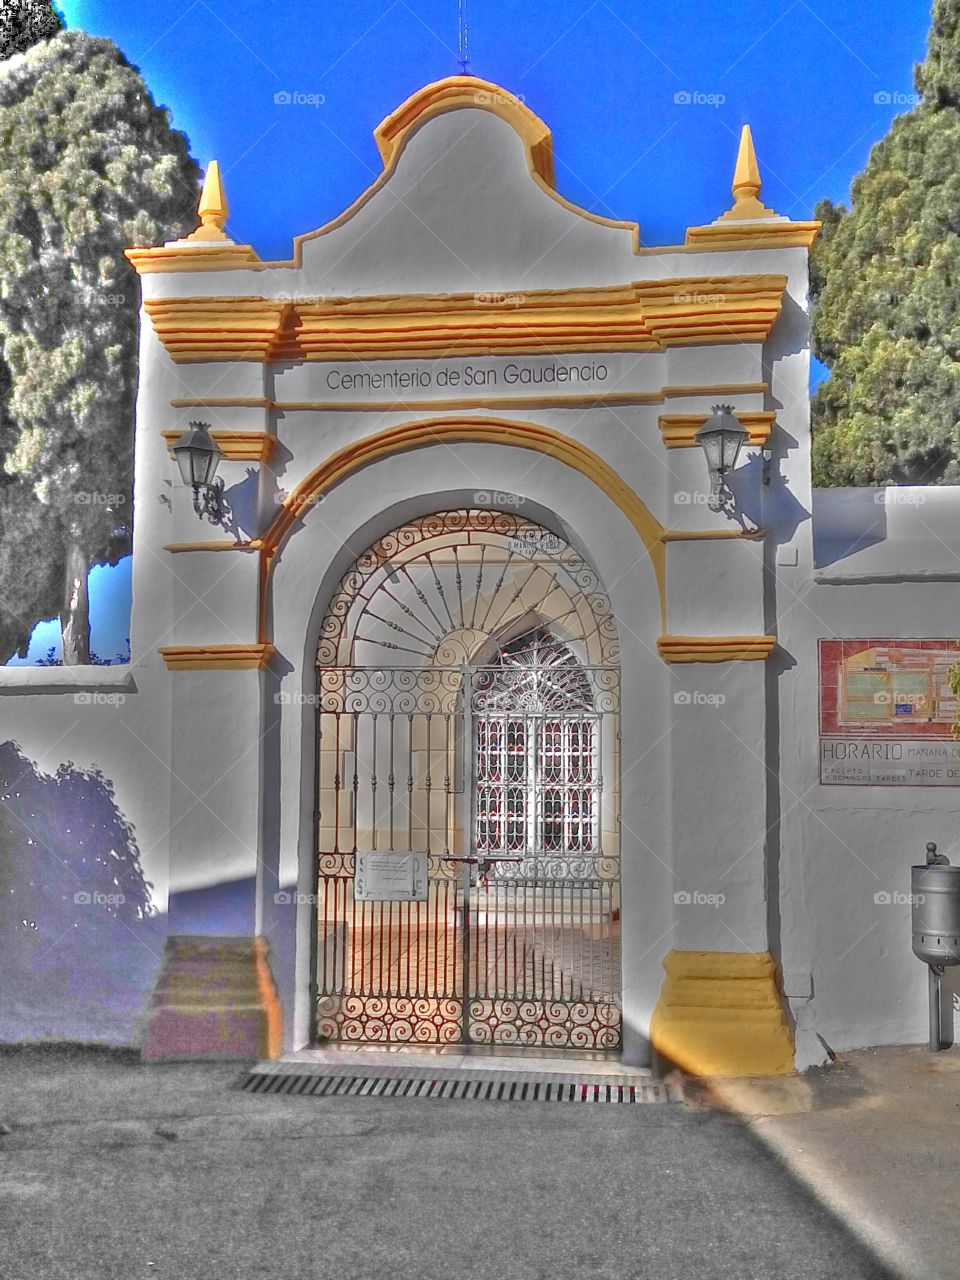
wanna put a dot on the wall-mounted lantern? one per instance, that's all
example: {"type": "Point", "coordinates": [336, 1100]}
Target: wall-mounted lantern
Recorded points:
{"type": "Point", "coordinates": [198, 456]}
{"type": "Point", "coordinates": [721, 437]}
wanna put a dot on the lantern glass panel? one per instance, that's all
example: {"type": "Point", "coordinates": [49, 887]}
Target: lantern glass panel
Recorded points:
{"type": "Point", "coordinates": [712, 444]}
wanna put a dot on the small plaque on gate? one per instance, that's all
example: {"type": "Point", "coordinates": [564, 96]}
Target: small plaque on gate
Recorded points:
{"type": "Point", "coordinates": [390, 877]}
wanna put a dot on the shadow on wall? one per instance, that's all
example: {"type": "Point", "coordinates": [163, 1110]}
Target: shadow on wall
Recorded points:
{"type": "Point", "coordinates": [80, 941]}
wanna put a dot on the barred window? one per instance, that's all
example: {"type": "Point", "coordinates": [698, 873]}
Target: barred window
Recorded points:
{"type": "Point", "coordinates": [537, 747]}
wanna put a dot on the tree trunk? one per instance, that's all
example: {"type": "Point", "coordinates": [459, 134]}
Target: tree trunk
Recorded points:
{"type": "Point", "coordinates": [75, 615]}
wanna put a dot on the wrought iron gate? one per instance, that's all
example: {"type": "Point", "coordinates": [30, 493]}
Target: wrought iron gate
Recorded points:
{"type": "Point", "coordinates": [506, 777]}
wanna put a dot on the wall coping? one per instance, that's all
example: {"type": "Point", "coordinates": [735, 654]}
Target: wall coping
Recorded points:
{"type": "Point", "coordinates": [28, 680]}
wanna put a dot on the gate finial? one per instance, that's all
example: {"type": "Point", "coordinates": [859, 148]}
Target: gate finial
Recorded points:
{"type": "Point", "coordinates": [212, 208]}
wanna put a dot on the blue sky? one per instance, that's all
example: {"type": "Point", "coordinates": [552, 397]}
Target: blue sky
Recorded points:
{"type": "Point", "coordinates": [818, 82]}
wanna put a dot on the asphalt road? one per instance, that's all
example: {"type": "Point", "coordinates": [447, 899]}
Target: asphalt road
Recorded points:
{"type": "Point", "coordinates": [112, 1169]}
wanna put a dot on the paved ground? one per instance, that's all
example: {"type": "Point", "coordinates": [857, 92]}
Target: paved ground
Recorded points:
{"type": "Point", "coordinates": [116, 1170]}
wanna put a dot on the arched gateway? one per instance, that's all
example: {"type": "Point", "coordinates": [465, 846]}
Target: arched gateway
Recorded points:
{"type": "Point", "coordinates": [468, 816]}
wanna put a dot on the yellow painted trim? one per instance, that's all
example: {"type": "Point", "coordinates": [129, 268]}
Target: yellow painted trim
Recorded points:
{"type": "Point", "coordinates": [223, 657]}
{"type": "Point", "coordinates": [219, 545]}
{"type": "Point", "coordinates": [196, 256]}
{"type": "Point", "coordinates": [720, 1013]}
{"type": "Point", "coordinates": [643, 316]}
{"type": "Point", "coordinates": [715, 648]}
{"type": "Point", "coordinates": [725, 236]}
{"type": "Point", "coordinates": [453, 93]}
{"type": "Point", "coordinates": [412, 435]}
{"type": "Point", "coordinates": [236, 446]}
{"type": "Point", "coordinates": [679, 429]}
{"type": "Point", "coordinates": [485, 402]}
{"type": "Point", "coordinates": [709, 535]}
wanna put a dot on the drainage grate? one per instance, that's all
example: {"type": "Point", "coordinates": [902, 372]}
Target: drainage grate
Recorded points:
{"type": "Point", "coordinates": [474, 1087]}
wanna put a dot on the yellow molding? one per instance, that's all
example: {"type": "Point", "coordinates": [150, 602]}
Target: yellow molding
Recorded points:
{"type": "Point", "coordinates": [676, 649]}
{"type": "Point", "coordinates": [455, 92]}
{"type": "Point", "coordinates": [412, 435]}
{"type": "Point", "coordinates": [708, 535]}
{"type": "Point", "coordinates": [195, 256]}
{"type": "Point", "coordinates": [744, 235]}
{"type": "Point", "coordinates": [720, 1013]}
{"type": "Point", "coordinates": [236, 446]}
{"type": "Point", "coordinates": [679, 429]}
{"type": "Point", "coordinates": [486, 402]}
{"type": "Point", "coordinates": [222, 657]}
{"type": "Point", "coordinates": [219, 545]}
{"type": "Point", "coordinates": [643, 316]}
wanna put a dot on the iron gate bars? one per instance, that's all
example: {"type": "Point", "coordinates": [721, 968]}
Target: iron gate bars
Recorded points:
{"type": "Point", "coordinates": [484, 765]}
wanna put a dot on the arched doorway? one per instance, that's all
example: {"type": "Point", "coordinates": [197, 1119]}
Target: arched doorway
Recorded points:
{"type": "Point", "coordinates": [468, 801]}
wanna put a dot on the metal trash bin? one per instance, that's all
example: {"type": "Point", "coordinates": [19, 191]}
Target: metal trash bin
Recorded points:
{"type": "Point", "coordinates": [935, 902]}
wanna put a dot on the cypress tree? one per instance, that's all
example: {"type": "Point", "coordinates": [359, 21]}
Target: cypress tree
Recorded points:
{"type": "Point", "coordinates": [885, 284]}
{"type": "Point", "coordinates": [89, 165]}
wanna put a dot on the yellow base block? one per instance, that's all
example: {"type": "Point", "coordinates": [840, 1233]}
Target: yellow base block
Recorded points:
{"type": "Point", "coordinates": [720, 1014]}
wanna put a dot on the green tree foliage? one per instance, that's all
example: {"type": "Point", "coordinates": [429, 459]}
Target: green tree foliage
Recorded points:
{"type": "Point", "coordinates": [885, 281]}
{"type": "Point", "coordinates": [24, 22]}
{"type": "Point", "coordinates": [89, 165]}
